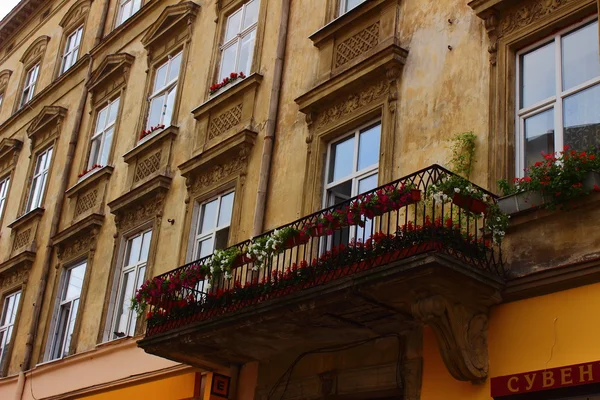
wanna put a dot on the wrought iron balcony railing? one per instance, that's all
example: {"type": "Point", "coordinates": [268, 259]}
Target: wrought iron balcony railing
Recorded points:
{"type": "Point", "coordinates": [393, 222]}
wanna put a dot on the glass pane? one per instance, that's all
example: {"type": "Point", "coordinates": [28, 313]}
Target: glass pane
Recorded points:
{"type": "Point", "coordinates": [133, 253]}
{"type": "Point", "coordinates": [70, 328]}
{"type": "Point", "coordinates": [127, 287]}
{"type": "Point", "coordinates": [94, 151]}
{"type": "Point", "coordinates": [41, 162]}
{"type": "Point", "coordinates": [580, 56]}
{"type": "Point", "coordinates": [246, 53]}
{"type": "Point", "coordinates": [205, 248]}
{"type": "Point", "coordinates": [228, 61]}
{"type": "Point", "coordinates": [539, 136]}
{"type": "Point", "coordinates": [368, 147]}
{"type": "Point", "coordinates": [342, 159]}
{"type": "Point", "coordinates": [74, 282]}
{"type": "Point", "coordinates": [168, 113]}
{"type": "Point", "coordinates": [113, 109]}
{"type": "Point", "coordinates": [582, 119]}
{"type": "Point", "coordinates": [61, 330]}
{"type": "Point", "coordinates": [233, 25]}
{"type": "Point", "coordinates": [35, 193]}
{"type": "Point", "coordinates": [350, 4]}
{"type": "Point", "coordinates": [221, 238]}
{"type": "Point", "coordinates": [101, 119]}
{"type": "Point", "coordinates": [340, 193]}
{"type": "Point", "coordinates": [161, 76]}
{"type": "Point", "coordinates": [146, 239]}
{"type": "Point", "coordinates": [174, 68]}
{"type": "Point", "coordinates": [367, 184]}
{"type": "Point", "coordinates": [208, 217]}
{"type": "Point", "coordinates": [136, 5]}
{"type": "Point", "coordinates": [106, 147]}
{"type": "Point", "coordinates": [538, 75]}
{"type": "Point", "coordinates": [48, 158]}
{"type": "Point", "coordinates": [156, 109]}
{"type": "Point", "coordinates": [251, 13]}
{"type": "Point", "coordinates": [225, 210]}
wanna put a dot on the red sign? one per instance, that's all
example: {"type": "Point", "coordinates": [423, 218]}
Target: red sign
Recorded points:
{"type": "Point", "coordinates": [220, 386]}
{"type": "Point", "coordinates": [554, 378]}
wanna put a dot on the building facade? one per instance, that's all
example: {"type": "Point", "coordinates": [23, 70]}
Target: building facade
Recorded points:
{"type": "Point", "coordinates": [138, 137]}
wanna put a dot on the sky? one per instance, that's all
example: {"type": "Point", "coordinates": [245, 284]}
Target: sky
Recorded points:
{"type": "Point", "coordinates": [6, 6]}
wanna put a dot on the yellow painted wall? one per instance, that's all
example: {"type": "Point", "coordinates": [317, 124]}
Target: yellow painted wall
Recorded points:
{"type": "Point", "coordinates": [174, 388]}
{"type": "Point", "coordinates": [524, 336]}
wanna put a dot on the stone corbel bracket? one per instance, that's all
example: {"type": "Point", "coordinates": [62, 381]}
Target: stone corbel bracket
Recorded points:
{"type": "Point", "coordinates": [461, 333]}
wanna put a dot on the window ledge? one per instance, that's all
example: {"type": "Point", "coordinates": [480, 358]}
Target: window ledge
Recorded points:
{"type": "Point", "coordinates": [85, 226]}
{"type": "Point", "coordinates": [485, 7]}
{"type": "Point", "coordinates": [26, 218]}
{"type": "Point", "coordinates": [89, 179]}
{"type": "Point", "coordinates": [223, 96]}
{"type": "Point", "coordinates": [149, 141]}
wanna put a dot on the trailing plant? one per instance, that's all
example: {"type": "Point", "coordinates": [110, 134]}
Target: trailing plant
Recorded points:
{"type": "Point", "coordinates": [463, 154]}
{"type": "Point", "coordinates": [87, 171]}
{"type": "Point", "coordinates": [222, 262]}
{"type": "Point", "coordinates": [234, 76]}
{"type": "Point", "coordinates": [150, 130]}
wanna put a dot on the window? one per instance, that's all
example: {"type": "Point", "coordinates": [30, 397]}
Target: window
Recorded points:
{"type": "Point", "coordinates": [40, 177]}
{"type": "Point", "coordinates": [164, 90]}
{"type": "Point", "coordinates": [29, 85]}
{"type": "Point", "coordinates": [103, 134]}
{"type": "Point", "coordinates": [131, 278]}
{"type": "Point", "coordinates": [7, 323]}
{"type": "Point", "coordinates": [212, 228]}
{"type": "Point", "coordinates": [352, 168]}
{"type": "Point", "coordinates": [3, 193]}
{"type": "Point", "coordinates": [558, 86]}
{"type": "Point", "coordinates": [69, 294]}
{"type": "Point", "coordinates": [71, 49]}
{"type": "Point", "coordinates": [238, 44]}
{"type": "Point", "coordinates": [126, 9]}
{"type": "Point", "coordinates": [1, 100]}
{"type": "Point", "coordinates": [347, 5]}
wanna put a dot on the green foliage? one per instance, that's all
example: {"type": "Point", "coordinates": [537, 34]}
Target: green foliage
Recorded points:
{"type": "Point", "coordinates": [463, 154]}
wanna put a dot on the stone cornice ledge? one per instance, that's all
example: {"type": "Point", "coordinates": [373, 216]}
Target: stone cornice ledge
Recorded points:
{"type": "Point", "coordinates": [24, 258]}
{"type": "Point", "coordinates": [154, 186]}
{"type": "Point", "coordinates": [149, 141]}
{"type": "Point", "coordinates": [484, 7]}
{"type": "Point", "coordinates": [25, 218]}
{"type": "Point", "coordinates": [349, 18]}
{"type": "Point", "coordinates": [389, 57]}
{"type": "Point", "coordinates": [82, 184]}
{"type": "Point", "coordinates": [82, 227]}
{"type": "Point", "coordinates": [251, 81]}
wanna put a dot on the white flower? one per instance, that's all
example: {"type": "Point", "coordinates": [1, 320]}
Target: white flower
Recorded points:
{"type": "Point", "coordinates": [456, 190]}
{"type": "Point", "coordinates": [445, 197]}
{"type": "Point", "coordinates": [255, 267]}
{"type": "Point", "coordinates": [483, 214]}
{"type": "Point", "coordinates": [485, 196]}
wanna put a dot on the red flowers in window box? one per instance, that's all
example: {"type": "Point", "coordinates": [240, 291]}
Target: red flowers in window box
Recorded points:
{"type": "Point", "coordinates": [146, 132]}
{"type": "Point", "coordinates": [87, 171]}
{"type": "Point", "coordinates": [234, 76]}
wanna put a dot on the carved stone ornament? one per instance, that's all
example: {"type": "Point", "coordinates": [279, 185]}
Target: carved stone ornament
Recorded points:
{"type": "Point", "coordinates": [76, 14]}
{"type": "Point", "coordinates": [357, 44]}
{"type": "Point", "coordinates": [141, 212]}
{"type": "Point", "coordinates": [352, 103]}
{"type": "Point", "coordinates": [78, 246]}
{"type": "Point", "coordinates": [15, 276]}
{"type": "Point", "coordinates": [197, 183]}
{"type": "Point", "coordinates": [35, 51]}
{"type": "Point", "coordinates": [461, 335]}
{"type": "Point", "coordinates": [4, 77]}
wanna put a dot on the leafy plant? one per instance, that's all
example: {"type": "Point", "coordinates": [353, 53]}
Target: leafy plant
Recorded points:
{"type": "Point", "coordinates": [463, 153]}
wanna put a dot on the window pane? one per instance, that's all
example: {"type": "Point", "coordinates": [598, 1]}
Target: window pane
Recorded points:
{"type": "Point", "coordinates": [539, 136]}
{"type": "Point", "coordinates": [228, 61]}
{"type": "Point", "coordinates": [133, 253]}
{"type": "Point", "coordinates": [342, 159]}
{"type": "Point", "coordinates": [101, 119]}
{"type": "Point", "coordinates": [226, 209]}
{"type": "Point", "coordinates": [161, 76]}
{"type": "Point", "coordinates": [538, 75]}
{"type": "Point", "coordinates": [74, 282]}
{"type": "Point", "coordinates": [156, 109]}
{"type": "Point", "coordinates": [208, 217]}
{"type": "Point", "coordinates": [365, 185]}
{"type": "Point", "coordinates": [35, 193]}
{"type": "Point", "coordinates": [168, 114]}
{"type": "Point", "coordinates": [368, 147]}
{"type": "Point", "coordinates": [127, 287]}
{"type": "Point", "coordinates": [582, 119]}
{"type": "Point", "coordinates": [350, 4]}
{"type": "Point", "coordinates": [205, 248]}
{"type": "Point", "coordinates": [175, 67]}
{"type": "Point", "coordinates": [340, 193]}
{"type": "Point", "coordinates": [112, 112]}
{"type": "Point", "coordinates": [221, 238]}
{"type": "Point", "coordinates": [94, 151]}
{"type": "Point", "coordinates": [103, 160]}
{"type": "Point", "coordinates": [246, 53]}
{"type": "Point", "coordinates": [233, 25]}
{"type": "Point", "coordinates": [70, 328]}
{"type": "Point", "coordinates": [61, 330]}
{"type": "Point", "coordinates": [146, 239]}
{"type": "Point", "coordinates": [580, 56]}
{"type": "Point", "coordinates": [251, 15]}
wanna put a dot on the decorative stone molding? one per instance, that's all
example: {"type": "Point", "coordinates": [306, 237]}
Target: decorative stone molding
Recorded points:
{"type": "Point", "coordinates": [151, 157]}
{"type": "Point", "coordinates": [175, 22]}
{"type": "Point", "coordinates": [111, 74]}
{"type": "Point", "coordinates": [9, 154]}
{"type": "Point", "coordinates": [461, 335]}
{"type": "Point", "coordinates": [35, 52]}
{"type": "Point", "coordinates": [4, 78]}
{"type": "Point", "coordinates": [76, 15]}
{"type": "Point", "coordinates": [78, 239]}
{"type": "Point", "coordinates": [357, 44]}
{"type": "Point", "coordinates": [45, 127]}
{"type": "Point", "coordinates": [15, 271]}
{"type": "Point", "coordinates": [88, 196]}
{"type": "Point", "coordinates": [226, 114]}
{"type": "Point", "coordinates": [24, 232]}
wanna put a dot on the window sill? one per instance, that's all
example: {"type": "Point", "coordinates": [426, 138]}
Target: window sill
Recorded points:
{"type": "Point", "coordinates": [227, 93]}
{"type": "Point", "coordinates": [149, 141]}
{"type": "Point", "coordinates": [89, 179]}
{"type": "Point", "coordinates": [26, 218]}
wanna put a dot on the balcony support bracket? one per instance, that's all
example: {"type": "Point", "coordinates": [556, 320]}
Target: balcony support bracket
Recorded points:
{"type": "Point", "coordinates": [461, 334]}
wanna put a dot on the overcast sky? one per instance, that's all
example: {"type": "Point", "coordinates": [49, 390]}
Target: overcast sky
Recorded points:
{"type": "Point", "coordinates": [6, 6]}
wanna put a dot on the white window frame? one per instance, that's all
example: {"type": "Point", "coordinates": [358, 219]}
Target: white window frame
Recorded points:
{"type": "Point", "coordinates": [39, 180]}
{"type": "Point", "coordinates": [237, 40]}
{"type": "Point", "coordinates": [200, 237]}
{"type": "Point", "coordinates": [100, 134]}
{"type": "Point", "coordinates": [29, 85]}
{"type": "Point", "coordinates": [121, 17]}
{"type": "Point", "coordinates": [171, 85]}
{"type": "Point", "coordinates": [553, 102]}
{"type": "Point", "coordinates": [1, 100]}
{"type": "Point", "coordinates": [73, 52]}
{"type": "Point", "coordinates": [8, 326]}
{"type": "Point", "coordinates": [138, 278]}
{"type": "Point", "coordinates": [4, 186]}
{"type": "Point", "coordinates": [59, 305]}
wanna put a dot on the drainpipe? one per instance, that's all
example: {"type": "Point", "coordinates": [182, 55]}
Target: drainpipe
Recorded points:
{"type": "Point", "coordinates": [39, 299]}
{"type": "Point", "coordinates": [267, 153]}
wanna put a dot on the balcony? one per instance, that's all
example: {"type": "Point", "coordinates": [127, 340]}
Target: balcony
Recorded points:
{"type": "Point", "coordinates": [384, 262]}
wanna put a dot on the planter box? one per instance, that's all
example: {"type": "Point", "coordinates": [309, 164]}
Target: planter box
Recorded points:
{"type": "Point", "coordinates": [520, 202]}
{"type": "Point", "coordinates": [470, 204]}
{"type": "Point", "coordinates": [591, 180]}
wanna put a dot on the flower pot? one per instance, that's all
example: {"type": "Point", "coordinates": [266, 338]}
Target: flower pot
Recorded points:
{"type": "Point", "coordinates": [468, 203]}
{"type": "Point", "coordinates": [241, 260]}
{"type": "Point", "coordinates": [296, 240]}
{"type": "Point", "coordinates": [591, 181]}
{"type": "Point", "coordinates": [415, 196]}
{"type": "Point", "coordinates": [520, 202]}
